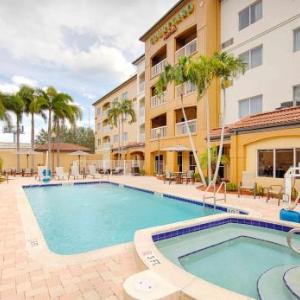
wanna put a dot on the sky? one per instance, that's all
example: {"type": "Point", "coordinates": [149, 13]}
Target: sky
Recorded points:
{"type": "Point", "coordinates": [81, 47]}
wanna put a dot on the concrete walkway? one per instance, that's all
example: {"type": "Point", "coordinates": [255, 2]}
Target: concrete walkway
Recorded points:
{"type": "Point", "coordinates": [26, 273]}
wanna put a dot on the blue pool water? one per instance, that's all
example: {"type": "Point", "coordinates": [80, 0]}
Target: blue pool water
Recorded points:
{"type": "Point", "coordinates": [79, 218]}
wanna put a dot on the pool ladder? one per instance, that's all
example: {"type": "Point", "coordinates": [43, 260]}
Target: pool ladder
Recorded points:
{"type": "Point", "coordinates": [214, 196]}
{"type": "Point", "coordinates": [289, 239]}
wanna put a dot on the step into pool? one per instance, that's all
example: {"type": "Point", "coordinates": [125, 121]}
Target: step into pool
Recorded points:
{"type": "Point", "coordinates": [80, 218]}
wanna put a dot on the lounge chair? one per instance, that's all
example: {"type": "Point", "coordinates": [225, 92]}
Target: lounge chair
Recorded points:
{"type": "Point", "coordinates": [275, 191]}
{"type": "Point", "coordinates": [59, 173]}
{"type": "Point", "coordinates": [27, 172]}
{"type": "Point", "coordinates": [248, 183]}
{"type": "Point", "coordinates": [169, 177]}
{"type": "Point", "coordinates": [117, 171]}
{"type": "Point", "coordinates": [74, 172]}
{"type": "Point", "coordinates": [92, 171]}
{"type": "Point", "coordinates": [188, 177]}
{"type": "Point", "coordinates": [135, 171]}
{"type": "Point", "coordinates": [40, 174]}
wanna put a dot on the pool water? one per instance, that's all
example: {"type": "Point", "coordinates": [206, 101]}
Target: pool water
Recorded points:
{"type": "Point", "coordinates": [232, 256]}
{"type": "Point", "coordinates": [80, 218]}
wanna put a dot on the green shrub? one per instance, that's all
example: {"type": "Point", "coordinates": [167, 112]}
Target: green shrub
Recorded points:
{"type": "Point", "coordinates": [142, 172]}
{"type": "Point", "coordinates": [231, 187]}
{"type": "Point", "coordinates": [294, 194]}
{"type": "Point", "coordinates": [259, 190]}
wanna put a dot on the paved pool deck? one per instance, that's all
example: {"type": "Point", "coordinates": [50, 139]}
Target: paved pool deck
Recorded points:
{"type": "Point", "coordinates": [28, 270]}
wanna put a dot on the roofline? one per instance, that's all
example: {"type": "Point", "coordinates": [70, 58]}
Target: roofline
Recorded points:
{"type": "Point", "coordinates": [115, 89]}
{"type": "Point", "coordinates": [136, 61]}
{"type": "Point", "coordinates": [145, 35]}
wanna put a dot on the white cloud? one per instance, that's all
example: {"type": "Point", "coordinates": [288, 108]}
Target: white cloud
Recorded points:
{"type": "Point", "coordinates": [19, 80]}
{"type": "Point", "coordinates": [9, 88]}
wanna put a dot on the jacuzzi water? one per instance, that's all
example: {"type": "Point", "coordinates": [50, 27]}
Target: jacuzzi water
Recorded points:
{"type": "Point", "coordinates": [79, 218]}
{"type": "Point", "coordinates": [232, 256]}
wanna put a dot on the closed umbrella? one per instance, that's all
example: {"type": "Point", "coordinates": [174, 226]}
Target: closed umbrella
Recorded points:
{"type": "Point", "coordinates": [79, 153]}
{"type": "Point", "coordinates": [28, 153]}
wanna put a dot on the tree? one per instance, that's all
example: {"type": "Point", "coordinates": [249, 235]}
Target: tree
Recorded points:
{"type": "Point", "coordinates": [213, 158]}
{"type": "Point", "coordinates": [55, 104]}
{"type": "Point", "coordinates": [126, 110]}
{"type": "Point", "coordinates": [15, 104]}
{"type": "Point", "coordinates": [33, 105]}
{"type": "Point", "coordinates": [198, 73]}
{"type": "Point", "coordinates": [4, 116]}
{"type": "Point", "coordinates": [114, 119]}
{"type": "Point", "coordinates": [226, 68]}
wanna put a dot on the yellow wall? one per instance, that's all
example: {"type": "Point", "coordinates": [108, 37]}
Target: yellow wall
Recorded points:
{"type": "Point", "coordinates": [204, 17]}
{"type": "Point", "coordinates": [244, 147]}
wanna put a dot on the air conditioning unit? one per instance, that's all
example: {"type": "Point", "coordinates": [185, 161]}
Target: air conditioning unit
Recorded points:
{"type": "Point", "coordinates": [289, 104]}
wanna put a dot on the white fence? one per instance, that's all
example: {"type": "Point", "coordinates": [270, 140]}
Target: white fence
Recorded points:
{"type": "Point", "coordinates": [129, 166]}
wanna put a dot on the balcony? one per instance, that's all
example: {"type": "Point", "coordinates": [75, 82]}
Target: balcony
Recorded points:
{"type": "Point", "coordinates": [106, 129]}
{"type": "Point", "coordinates": [142, 137]}
{"type": "Point", "coordinates": [106, 146]}
{"type": "Point", "coordinates": [158, 132]}
{"type": "Point", "coordinates": [104, 113]}
{"type": "Point", "coordinates": [185, 89]}
{"type": "Point", "coordinates": [158, 68]}
{"type": "Point", "coordinates": [158, 100]}
{"type": "Point", "coordinates": [182, 128]}
{"type": "Point", "coordinates": [141, 87]}
{"type": "Point", "coordinates": [186, 50]}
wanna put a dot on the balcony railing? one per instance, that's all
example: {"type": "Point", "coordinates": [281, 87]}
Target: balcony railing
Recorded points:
{"type": "Point", "coordinates": [106, 129]}
{"type": "Point", "coordinates": [158, 100]}
{"type": "Point", "coordinates": [104, 113]}
{"type": "Point", "coordinates": [182, 128]}
{"type": "Point", "coordinates": [106, 146]}
{"type": "Point", "coordinates": [142, 111]}
{"type": "Point", "coordinates": [185, 89]}
{"type": "Point", "coordinates": [142, 87]}
{"type": "Point", "coordinates": [158, 68]}
{"type": "Point", "coordinates": [142, 137]}
{"type": "Point", "coordinates": [186, 50]}
{"type": "Point", "coordinates": [158, 132]}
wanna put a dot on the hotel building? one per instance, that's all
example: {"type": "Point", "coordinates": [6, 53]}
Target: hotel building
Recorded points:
{"type": "Point", "coordinates": [189, 28]}
{"type": "Point", "coordinates": [263, 133]}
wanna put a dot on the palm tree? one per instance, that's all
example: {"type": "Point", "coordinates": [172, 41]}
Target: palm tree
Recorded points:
{"type": "Point", "coordinates": [226, 68]}
{"type": "Point", "coordinates": [126, 110]}
{"type": "Point", "coordinates": [114, 119]}
{"type": "Point", "coordinates": [68, 112]}
{"type": "Point", "coordinates": [33, 105]}
{"type": "Point", "coordinates": [55, 104]}
{"type": "Point", "coordinates": [198, 73]}
{"type": "Point", "coordinates": [15, 104]}
{"type": "Point", "coordinates": [4, 116]}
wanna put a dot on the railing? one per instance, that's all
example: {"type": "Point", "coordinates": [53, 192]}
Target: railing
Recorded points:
{"type": "Point", "coordinates": [158, 68]}
{"type": "Point", "coordinates": [142, 111]}
{"type": "Point", "coordinates": [186, 50]}
{"type": "Point", "coordinates": [142, 137]}
{"type": "Point", "coordinates": [104, 113]}
{"type": "Point", "coordinates": [106, 146]}
{"type": "Point", "coordinates": [158, 132]}
{"type": "Point", "coordinates": [158, 100]}
{"type": "Point", "coordinates": [185, 89]}
{"type": "Point", "coordinates": [106, 129]}
{"type": "Point", "coordinates": [181, 128]}
{"type": "Point", "coordinates": [289, 239]}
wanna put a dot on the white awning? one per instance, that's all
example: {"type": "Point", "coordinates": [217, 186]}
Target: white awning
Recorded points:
{"type": "Point", "coordinates": [177, 148]}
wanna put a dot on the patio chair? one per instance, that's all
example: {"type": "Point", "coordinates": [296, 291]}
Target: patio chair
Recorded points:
{"type": "Point", "coordinates": [59, 173]}
{"type": "Point", "coordinates": [248, 184]}
{"type": "Point", "coordinates": [168, 176]}
{"type": "Point", "coordinates": [27, 172]}
{"type": "Point", "coordinates": [74, 172]}
{"type": "Point", "coordinates": [92, 171]}
{"type": "Point", "coordinates": [117, 171]}
{"type": "Point", "coordinates": [188, 177]}
{"type": "Point", "coordinates": [40, 171]}
{"type": "Point", "coordinates": [275, 191]}
{"type": "Point", "coordinates": [135, 171]}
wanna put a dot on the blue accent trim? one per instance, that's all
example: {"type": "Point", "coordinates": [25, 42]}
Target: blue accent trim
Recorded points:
{"type": "Point", "coordinates": [199, 227]}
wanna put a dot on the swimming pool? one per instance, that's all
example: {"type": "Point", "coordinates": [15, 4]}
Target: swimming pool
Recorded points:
{"type": "Point", "coordinates": [248, 257]}
{"type": "Point", "coordinates": [80, 218]}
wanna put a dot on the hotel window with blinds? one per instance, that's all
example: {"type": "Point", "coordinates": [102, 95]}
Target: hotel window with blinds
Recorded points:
{"type": "Point", "coordinates": [297, 39]}
{"type": "Point", "coordinates": [253, 57]}
{"type": "Point", "coordinates": [250, 14]}
{"type": "Point", "coordinates": [250, 106]}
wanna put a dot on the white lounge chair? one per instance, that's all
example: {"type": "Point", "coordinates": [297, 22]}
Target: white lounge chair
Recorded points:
{"type": "Point", "coordinates": [92, 171]}
{"type": "Point", "coordinates": [74, 172]}
{"type": "Point", "coordinates": [40, 174]}
{"type": "Point", "coordinates": [248, 183]}
{"type": "Point", "coordinates": [60, 174]}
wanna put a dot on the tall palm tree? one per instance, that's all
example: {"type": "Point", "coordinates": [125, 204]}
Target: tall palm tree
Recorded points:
{"type": "Point", "coordinates": [33, 105]}
{"type": "Point", "coordinates": [126, 110]}
{"type": "Point", "coordinates": [4, 116]}
{"type": "Point", "coordinates": [15, 104]}
{"type": "Point", "coordinates": [197, 72]}
{"type": "Point", "coordinates": [114, 119]}
{"type": "Point", "coordinates": [226, 68]}
{"type": "Point", "coordinates": [68, 112]}
{"type": "Point", "coordinates": [55, 103]}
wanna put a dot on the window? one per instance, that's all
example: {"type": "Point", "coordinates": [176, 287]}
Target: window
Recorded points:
{"type": "Point", "coordinates": [250, 14]}
{"type": "Point", "coordinates": [192, 162]}
{"type": "Point", "coordinates": [276, 162]}
{"type": "Point", "coordinates": [284, 159]}
{"type": "Point", "coordinates": [296, 93]}
{"type": "Point", "coordinates": [115, 100]}
{"type": "Point", "coordinates": [116, 138]}
{"type": "Point", "coordinates": [265, 163]}
{"type": "Point", "coordinates": [253, 57]}
{"type": "Point", "coordinates": [99, 142]}
{"type": "Point", "coordinates": [297, 39]}
{"type": "Point", "coordinates": [125, 136]}
{"type": "Point", "coordinates": [124, 95]}
{"type": "Point", "coordinates": [250, 106]}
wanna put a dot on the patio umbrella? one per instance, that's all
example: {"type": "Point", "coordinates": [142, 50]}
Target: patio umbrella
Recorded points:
{"type": "Point", "coordinates": [79, 153]}
{"type": "Point", "coordinates": [28, 153]}
{"type": "Point", "coordinates": [177, 148]}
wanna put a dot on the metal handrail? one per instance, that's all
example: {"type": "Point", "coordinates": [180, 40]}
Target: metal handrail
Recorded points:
{"type": "Point", "coordinates": [289, 239]}
{"type": "Point", "coordinates": [223, 183]}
